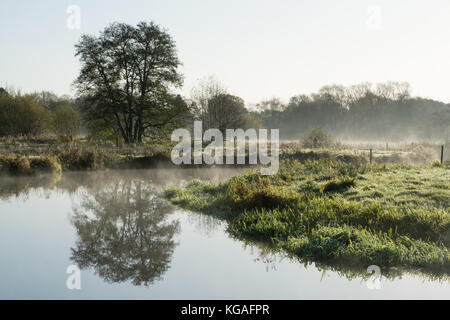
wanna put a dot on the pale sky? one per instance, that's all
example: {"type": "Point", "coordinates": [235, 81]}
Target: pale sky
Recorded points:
{"type": "Point", "coordinates": [257, 48]}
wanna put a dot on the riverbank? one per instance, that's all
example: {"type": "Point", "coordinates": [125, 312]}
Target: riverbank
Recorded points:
{"type": "Point", "coordinates": [79, 159]}
{"type": "Point", "coordinates": [34, 159]}
{"type": "Point", "coordinates": [28, 156]}
{"type": "Point", "coordinates": [88, 209]}
{"type": "Point", "coordinates": [345, 214]}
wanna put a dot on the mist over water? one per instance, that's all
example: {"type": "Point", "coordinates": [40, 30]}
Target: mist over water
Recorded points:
{"type": "Point", "coordinates": [130, 243]}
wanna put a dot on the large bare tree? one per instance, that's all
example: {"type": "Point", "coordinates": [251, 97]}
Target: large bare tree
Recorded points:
{"type": "Point", "coordinates": [216, 107]}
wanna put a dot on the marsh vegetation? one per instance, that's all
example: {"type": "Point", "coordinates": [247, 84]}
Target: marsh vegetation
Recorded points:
{"type": "Point", "coordinates": [349, 215]}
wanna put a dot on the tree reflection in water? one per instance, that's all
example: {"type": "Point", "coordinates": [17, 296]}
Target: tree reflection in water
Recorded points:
{"type": "Point", "coordinates": [124, 232]}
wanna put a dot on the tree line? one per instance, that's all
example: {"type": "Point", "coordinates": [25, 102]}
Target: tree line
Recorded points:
{"type": "Point", "coordinates": [126, 90]}
{"type": "Point", "coordinates": [385, 111]}
{"type": "Point", "coordinates": [37, 113]}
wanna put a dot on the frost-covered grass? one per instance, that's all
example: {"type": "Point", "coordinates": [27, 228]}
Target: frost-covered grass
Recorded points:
{"type": "Point", "coordinates": [346, 214]}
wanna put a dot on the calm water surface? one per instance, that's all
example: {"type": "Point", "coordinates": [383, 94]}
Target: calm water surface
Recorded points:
{"type": "Point", "coordinates": [131, 244]}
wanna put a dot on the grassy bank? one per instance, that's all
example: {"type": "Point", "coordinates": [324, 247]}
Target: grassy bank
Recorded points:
{"type": "Point", "coordinates": [350, 215]}
{"type": "Point", "coordinates": [79, 159]}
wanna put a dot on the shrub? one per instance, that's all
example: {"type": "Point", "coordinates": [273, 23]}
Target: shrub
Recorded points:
{"type": "Point", "coordinates": [436, 164]}
{"type": "Point", "coordinates": [46, 164]}
{"type": "Point", "coordinates": [317, 138]}
{"type": "Point", "coordinates": [258, 193]}
{"type": "Point", "coordinates": [16, 164]}
{"type": "Point", "coordinates": [75, 159]}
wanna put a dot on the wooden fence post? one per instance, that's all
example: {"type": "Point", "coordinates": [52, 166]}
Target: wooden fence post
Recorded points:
{"type": "Point", "coordinates": [442, 154]}
{"type": "Point", "coordinates": [370, 156]}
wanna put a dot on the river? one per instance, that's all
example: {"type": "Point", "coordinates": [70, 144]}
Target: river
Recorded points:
{"type": "Point", "coordinates": [129, 243]}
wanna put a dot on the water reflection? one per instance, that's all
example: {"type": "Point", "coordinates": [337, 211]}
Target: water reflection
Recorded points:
{"type": "Point", "coordinates": [20, 187]}
{"type": "Point", "coordinates": [124, 232]}
{"type": "Point", "coordinates": [123, 226]}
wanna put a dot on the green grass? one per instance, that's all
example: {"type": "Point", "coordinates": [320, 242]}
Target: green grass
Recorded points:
{"type": "Point", "coordinates": [342, 214]}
